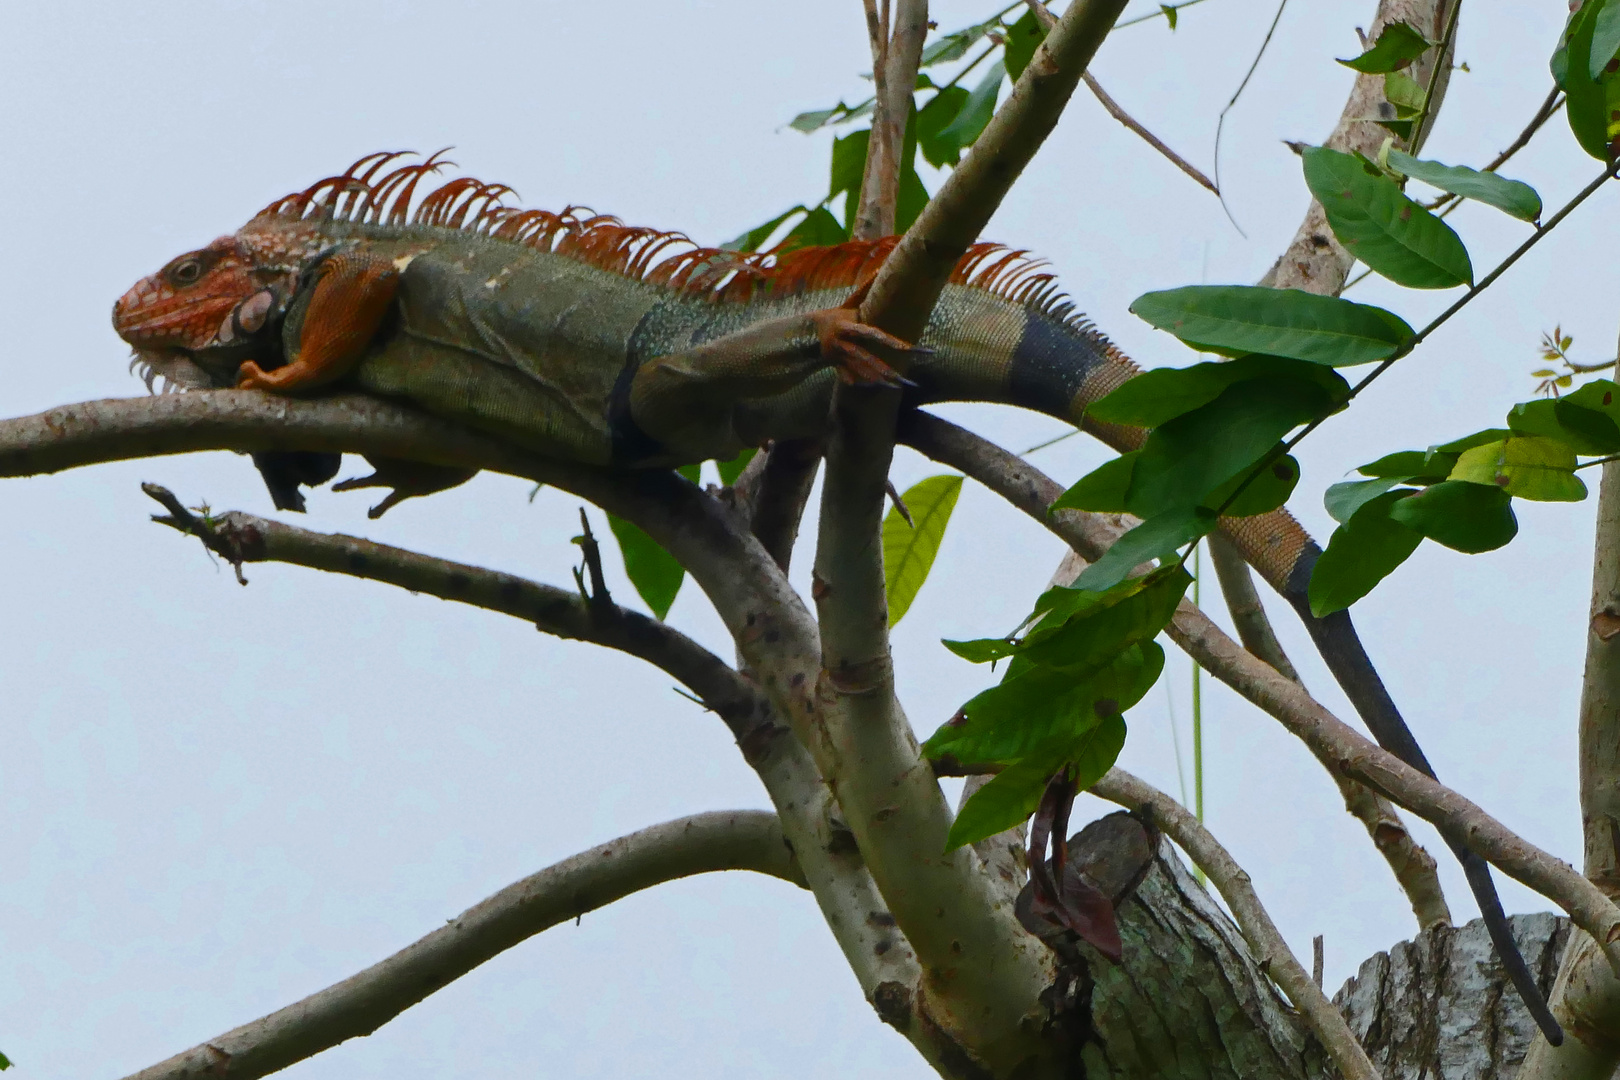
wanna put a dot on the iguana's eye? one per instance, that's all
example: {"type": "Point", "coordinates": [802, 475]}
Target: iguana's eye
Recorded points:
{"type": "Point", "coordinates": [186, 272]}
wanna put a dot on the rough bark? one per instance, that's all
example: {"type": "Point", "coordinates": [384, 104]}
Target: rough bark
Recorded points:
{"type": "Point", "coordinates": [1439, 1008]}
{"type": "Point", "coordinates": [1189, 1001]}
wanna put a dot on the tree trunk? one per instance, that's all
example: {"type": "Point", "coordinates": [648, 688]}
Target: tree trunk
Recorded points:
{"type": "Point", "coordinates": [1189, 1001]}
{"type": "Point", "coordinates": [1439, 1008]}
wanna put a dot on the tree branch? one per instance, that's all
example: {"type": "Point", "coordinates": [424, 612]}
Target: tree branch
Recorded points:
{"type": "Point", "coordinates": [1265, 941]}
{"type": "Point", "coordinates": [360, 1004]}
{"type": "Point", "coordinates": [1414, 867]}
{"type": "Point", "coordinates": [896, 50]}
{"type": "Point", "coordinates": [1333, 742]}
{"type": "Point", "coordinates": [1044, 16]}
{"type": "Point", "coordinates": [1586, 997]}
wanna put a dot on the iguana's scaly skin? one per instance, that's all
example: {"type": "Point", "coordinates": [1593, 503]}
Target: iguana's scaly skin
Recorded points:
{"type": "Point", "coordinates": [582, 338]}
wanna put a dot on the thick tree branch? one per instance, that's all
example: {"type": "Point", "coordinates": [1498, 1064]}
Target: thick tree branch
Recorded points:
{"type": "Point", "coordinates": [1333, 742]}
{"type": "Point", "coordinates": [360, 1004]}
{"type": "Point", "coordinates": [1265, 941]}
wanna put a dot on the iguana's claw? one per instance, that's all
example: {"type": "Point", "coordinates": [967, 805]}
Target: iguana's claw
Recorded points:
{"type": "Point", "coordinates": [844, 344]}
{"type": "Point", "coordinates": [408, 479]}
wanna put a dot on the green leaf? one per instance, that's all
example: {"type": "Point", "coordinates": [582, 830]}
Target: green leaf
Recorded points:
{"type": "Point", "coordinates": [1403, 92]}
{"type": "Point", "coordinates": [1383, 228]}
{"type": "Point", "coordinates": [1397, 46]}
{"type": "Point", "coordinates": [933, 119]}
{"type": "Point", "coordinates": [1134, 613]}
{"type": "Point", "coordinates": [913, 196]}
{"type": "Point", "coordinates": [1361, 553]}
{"type": "Point", "coordinates": [5, 1062]}
{"type": "Point", "coordinates": [1465, 517]}
{"type": "Point", "coordinates": [1605, 39]}
{"type": "Point", "coordinates": [1158, 537]}
{"type": "Point", "coordinates": [1510, 196]}
{"type": "Point", "coordinates": [1585, 431]}
{"type": "Point", "coordinates": [908, 553]}
{"type": "Point", "coordinates": [1425, 466]}
{"type": "Point", "coordinates": [1238, 319]}
{"type": "Point", "coordinates": [1169, 14]}
{"type": "Point", "coordinates": [1095, 752]}
{"type": "Point", "coordinates": [1102, 489]}
{"type": "Point", "coordinates": [652, 570]}
{"type": "Point", "coordinates": [1586, 101]}
{"type": "Point", "coordinates": [754, 238]}
{"type": "Point", "coordinates": [818, 229]}
{"type": "Point", "coordinates": [1023, 38]}
{"type": "Point", "coordinates": [848, 166]}
{"type": "Point", "coordinates": [1531, 467]}
{"type": "Point", "coordinates": [1039, 708]}
{"type": "Point", "coordinates": [730, 470]}
{"type": "Point", "coordinates": [1186, 459]}
{"type": "Point", "coordinates": [1162, 394]}
{"type": "Point", "coordinates": [975, 112]}
{"type": "Point", "coordinates": [954, 46]}
{"type": "Point", "coordinates": [1268, 491]}
{"type": "Point", "coordinates": [1343, 500]}
{"type": "Point", "coordinates": [1011, 796]}
{"type": "Point", "coordinates": [1468, 442]}
{"type": "Point", "coordinates": [982, 650]}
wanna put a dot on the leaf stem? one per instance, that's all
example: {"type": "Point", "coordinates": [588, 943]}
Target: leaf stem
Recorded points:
{"type": "Point", "coordinates": [1440, 63]}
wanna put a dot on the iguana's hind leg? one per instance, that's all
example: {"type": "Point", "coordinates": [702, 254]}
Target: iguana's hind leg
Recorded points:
{"type": "Point", "coordinates": [345, 309]}
{"type": "Point", "coordinates": [686, 400]}
{"type": "Point", "coordinates": [408, 479]}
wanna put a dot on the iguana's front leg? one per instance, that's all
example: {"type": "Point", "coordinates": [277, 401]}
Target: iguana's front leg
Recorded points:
{"type": "Point", "coordinates": [685, 399]}
{"type": "Point", "coordinates": [346, 306]}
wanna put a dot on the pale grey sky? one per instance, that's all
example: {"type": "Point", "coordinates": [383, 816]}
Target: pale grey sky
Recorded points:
{"type": "Point", "coordinates": [220, 799]}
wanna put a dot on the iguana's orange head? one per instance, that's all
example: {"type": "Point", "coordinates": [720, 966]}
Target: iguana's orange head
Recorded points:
{"type": "Point", "coordinates": [183, 305]}
{"type": "Point", "coordinates": [214, 300]}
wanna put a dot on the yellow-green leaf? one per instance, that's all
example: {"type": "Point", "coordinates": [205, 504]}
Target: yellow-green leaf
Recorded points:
{"type": "Point", "coordinates": [909, 549]}
{"type": "Point", "coordinates": [1530, 466]}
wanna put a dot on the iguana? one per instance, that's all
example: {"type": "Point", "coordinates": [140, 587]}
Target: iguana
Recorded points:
{"type": "Point", "coordinates": [582, 338]}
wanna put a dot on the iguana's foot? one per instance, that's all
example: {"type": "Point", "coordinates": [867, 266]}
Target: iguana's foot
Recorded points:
{"type": "Point", "coordinates": [845, 340]}
{"type": "Point", "coordinates": [408, 479]}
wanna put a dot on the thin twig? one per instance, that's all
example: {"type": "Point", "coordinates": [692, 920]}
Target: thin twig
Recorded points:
{"type": "Point", "coordinates": [1220, 123]}
{"type": "Point", "coordinates": [1162, 13]}
{"type": "Point", "coordinates": [1147, 136]}
{"type": "Point", "coordinates": [1048, 20]}
{"type": "Point", "coordinates": [1266, 942]}
{"type": "Point", "coordinates": [360, 1004]}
